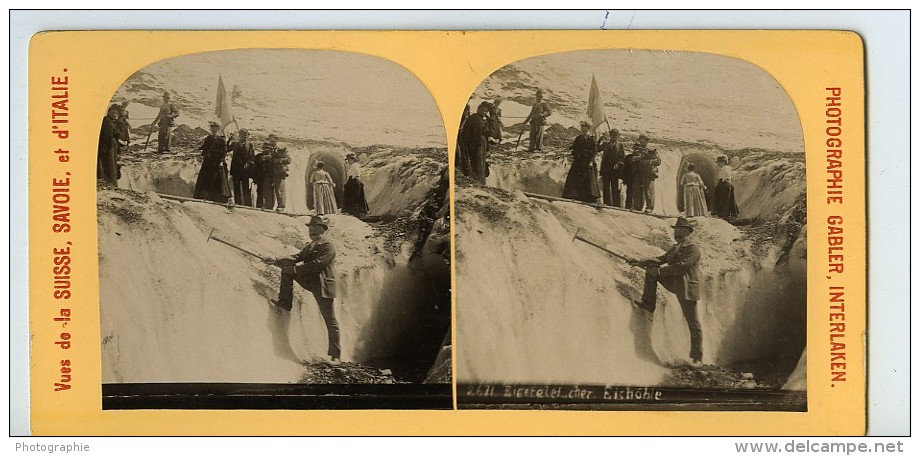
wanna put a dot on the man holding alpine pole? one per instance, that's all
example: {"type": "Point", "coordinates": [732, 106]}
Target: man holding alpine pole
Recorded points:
{"type": "Point", "coordinates": [316, 273]}
{"type": "Point", "coordinates": [678, 270]}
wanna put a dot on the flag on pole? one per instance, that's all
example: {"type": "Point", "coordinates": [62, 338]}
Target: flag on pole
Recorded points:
{"type": "Point", "coordinates": [222, 109]}
{"type": "Point", "coordinates": [595, 105]}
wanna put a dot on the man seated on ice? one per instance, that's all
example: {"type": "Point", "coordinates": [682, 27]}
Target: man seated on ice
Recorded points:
{"type": "Point", "coordinates": [316, 274]}
{"type": "Point", "coordinates": [678, 270]}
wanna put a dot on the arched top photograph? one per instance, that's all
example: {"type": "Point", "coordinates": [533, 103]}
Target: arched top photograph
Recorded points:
{"type": "Point", "coordinates": [282, 209]}
{"type": "Point", "coordinates": [629, 169]}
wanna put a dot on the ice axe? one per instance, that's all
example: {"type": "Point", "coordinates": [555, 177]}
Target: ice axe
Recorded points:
{"type": "Point", "coordinates": [627, 259]}
{"type": "Point", "coordinates": [211, 236]}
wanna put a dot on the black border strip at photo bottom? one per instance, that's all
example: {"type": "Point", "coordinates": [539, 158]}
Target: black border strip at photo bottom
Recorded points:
{"type": "Point", "coordinates": [259, 396]}
{"type": "Point", "coordinates": [621, 397]}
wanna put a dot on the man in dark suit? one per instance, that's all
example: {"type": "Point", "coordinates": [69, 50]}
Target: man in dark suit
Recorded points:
{"type": "Point", "coordinates": [537, 119]}
{"type": "Point", "coordinates": [316, 273]}
{"type": "Point", "coordinates": [612, 155]}
{"type": "Point", "coordinates": [240, 165]}
{"type": "Point", "coordinates": [165, 118]}
{"type": "Point", "coordinates": [280, 164]}
{"type": "Point", "coordinates": [678, 270]}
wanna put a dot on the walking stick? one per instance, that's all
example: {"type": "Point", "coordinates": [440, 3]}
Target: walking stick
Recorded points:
{"type": "Point", "coordinates": [148, 138]}
{"type": "Point", "coordinates": [519, 139]}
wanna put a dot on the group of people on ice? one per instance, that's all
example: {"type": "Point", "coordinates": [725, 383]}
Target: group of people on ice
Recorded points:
{"type": "Point", "coordinates": [480, 131]}
{"type": "Point", "coordinates": [268, 170]}
{"type": "Point", "coordinates": [113, 137]}
{"type": "Point", "coordinates": [477, 133]}
{"type": "Point", "coordinates": [637, 172]}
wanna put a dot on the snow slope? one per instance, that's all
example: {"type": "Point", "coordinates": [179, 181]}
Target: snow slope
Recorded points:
{"type": "Point", "coordinates": [671, 96]}
{"type": "Point", "coordinates": [179, 308]}
{"type": "Point", "coordinates": [296, 94]}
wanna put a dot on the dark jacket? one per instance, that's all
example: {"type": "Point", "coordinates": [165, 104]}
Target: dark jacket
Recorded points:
{"type": "Point", "coordinates": [107, 153]}
{"type": "Point", "coordinates": [108, 139]}
{"type": "Point", "coordinates": [628, 170]}
{"type": "Point", "coordinates": [167, 115]}
{"type": "Point", "coordinates": [612, 156]}
{"type": "Point", "coordinates": [538, 114]}
{"type": "Point", "coordinates": [648, 163]}
{"type": "Point", "coordinates": [317, 273]}
{"type": "Point", "coordinates": [212, 183]}
{"type": "Point", "coordinates": [581, 182]}
{"type": "Point", "coordinates": [214, 149]}
{"type": "Point", "coordinates": [280, 161]}
{"type": "Point", "coordinates": [475, 145]}
{"type": "Point", "coordinates": [243, 153]}
{"type": "Point", "coordinates": [681, 263]}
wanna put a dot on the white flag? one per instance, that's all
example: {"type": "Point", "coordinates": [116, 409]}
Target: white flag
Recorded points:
{"type": "Point", "coordinates": [595, 105]}
{"type": "Point", "coordinates": [222, 110]}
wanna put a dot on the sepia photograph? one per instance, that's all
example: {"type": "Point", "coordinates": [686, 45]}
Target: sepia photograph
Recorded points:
{"type": "Point", "coordinates": [630, 234]}
{"type": "Point", "coordinates": [274, 233]}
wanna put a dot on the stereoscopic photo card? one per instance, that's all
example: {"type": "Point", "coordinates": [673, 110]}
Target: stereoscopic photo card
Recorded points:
{"type": "Point", "coordinates": [447, 233]}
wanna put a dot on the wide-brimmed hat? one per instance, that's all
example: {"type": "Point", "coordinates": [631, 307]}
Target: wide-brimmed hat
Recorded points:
{"type": "Point", "coordinates": [683, 223]}
{"type": "Point", "coordinates": [584, 123]}
{"type": "Point", "coordinates": [318, 220]}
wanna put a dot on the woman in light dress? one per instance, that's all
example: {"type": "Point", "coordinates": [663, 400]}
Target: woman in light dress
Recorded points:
{"type": "Point", "coordinates": [694, 193]}
{"type": "Point", "coordinates": [323, 191]}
